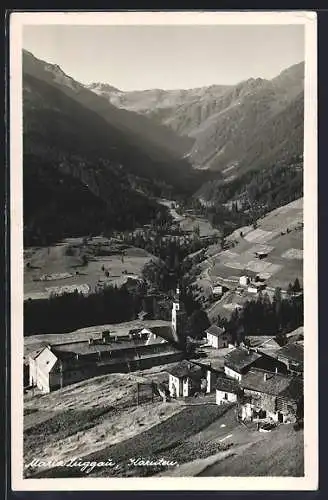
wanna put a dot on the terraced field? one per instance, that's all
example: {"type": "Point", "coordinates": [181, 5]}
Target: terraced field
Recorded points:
{"type": "Point", "coordinates": [279, 234]}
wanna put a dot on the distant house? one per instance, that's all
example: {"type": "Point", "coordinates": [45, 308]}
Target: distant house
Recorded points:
{"type": "Point", "coordinates": [239, 361]}
{"type": "Point", "coordinates": [261, 254]}
{"type": "Point", "coordinates": [263, 343]}
{"type": "Point", "coordinates": [271, 395]}
{"type": "Point", "coordinates": [292, 356]}
{"type": "Point", "coordinates": [297, 336]}
{"type": "Point", "coordinates": [218, 291]}
{"type": "Point", "coordinates": [185, 379]}
{"type": "Point", "coordinates": [227, 390]}
{"type": "Point", "coordinates": [255, 287]}
{"type": "Point", "coordinates": [218, 337]}
{"type": "Point", "coordinates": [243, 280]}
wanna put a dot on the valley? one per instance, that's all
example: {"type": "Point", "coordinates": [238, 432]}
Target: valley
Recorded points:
{"type": "Point", "coordinates": [151, 219]}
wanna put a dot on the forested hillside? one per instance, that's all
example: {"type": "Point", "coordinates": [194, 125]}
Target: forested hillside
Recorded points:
{"type": "Point", "coordinates": [78, 175]}
{"type": "Point", "coordinates": [235, 128]}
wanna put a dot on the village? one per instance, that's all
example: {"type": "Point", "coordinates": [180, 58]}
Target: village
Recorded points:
{"type": "Point", "coordinates": [225, 380]}
{"type": "Point", "coordinates": [264, 376]}
{"type": "Point", "coordinates": [257, 383]}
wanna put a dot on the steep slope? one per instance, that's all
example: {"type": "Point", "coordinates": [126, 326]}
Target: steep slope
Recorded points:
{"type": "Point", "coordinates": [159, 142]}
{"type": "Point", "coordinates": [228, 123]}
{"type": "Point", "coordinates": [156, 103]}
{"type": "Point", "coordinates": [77, 170]}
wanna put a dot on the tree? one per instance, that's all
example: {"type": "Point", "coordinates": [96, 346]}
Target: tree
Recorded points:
{"type": "Point", "coordinates": [290, 290]}
{"type": "Point", "coordinates": [197, 231]}
{"type": "Point", "coordinates": [222, 242]}
{"type": "Point", "coordinates": [198, 322]}
{"type": "Point", "coordinates": [297, 287]}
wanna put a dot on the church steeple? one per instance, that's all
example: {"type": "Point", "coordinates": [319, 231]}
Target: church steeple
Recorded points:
{"type": "Point", "coordinates": [178, 318]}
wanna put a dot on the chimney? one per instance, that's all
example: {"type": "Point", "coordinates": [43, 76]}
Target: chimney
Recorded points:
{"type": "Point", "coordinates": [276, 371]}
{"type": "Point", "coordinates": [105, 335]}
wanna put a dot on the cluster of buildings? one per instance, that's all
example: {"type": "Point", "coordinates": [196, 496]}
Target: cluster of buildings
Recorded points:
{"type": "Point", "coordinates": [54, 366]}
{"type": "Point", "coordinates": [261, 377]}
{"type": "Point", "coordinates": [252, 286]}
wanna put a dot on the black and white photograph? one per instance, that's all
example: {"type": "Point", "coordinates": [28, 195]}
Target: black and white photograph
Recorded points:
{"type": "Point", "coordinates": [163, 293]}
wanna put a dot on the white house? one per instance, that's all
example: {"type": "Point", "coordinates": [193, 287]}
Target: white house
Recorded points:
{"type": "Point", "coordinates": [45, 370]}
{"type": "Point", "coordinates": [218, 337]}
{"type": "Point", "coordinates": [218, 291]}
{"type": "Point", "coordinates": [58, 365]}
{"type": "Point", "coordinates": [239, 361]}
{"type": "Point", "coordinates": [185, 379]}
{"type": "Point", "coordinates": [243, 280]}
{"type": "Point", "coordinates": [255, 287]}
{"type": "Point", "coordinates": [227, 390]}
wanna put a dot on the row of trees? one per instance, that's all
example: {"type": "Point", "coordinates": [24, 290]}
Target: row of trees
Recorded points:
{"type": "Point", "coordinates": [266, 316]}
{"type": "Point", "coordinates": [71, 311]}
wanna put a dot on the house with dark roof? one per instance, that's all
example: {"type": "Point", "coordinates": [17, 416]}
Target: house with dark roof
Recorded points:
{"type": "Point", "coordinates": [262, 342]}
{"type": "Point", "coordinates": [218, 337]}
{"type": "Point", "coordinates": [292, 356]}
{"type": "Point", "coordinates": [271, 395]}
{"type": "Point", "coordinates": [59, 365]}
{"type": "Point", "coordinates": [239, 361]}
{"type": "Point", "coordinates": [186, 379]}
{"type": "Point", "coordinates": [227, 390]}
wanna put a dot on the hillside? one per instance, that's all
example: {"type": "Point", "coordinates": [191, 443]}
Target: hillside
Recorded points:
{"type": "Point", "coordinates": [73, 182]}
{"type": "Point", "coordinates": [229, 123]}
{"type": "Point", "coordinates": [279, 234]}
{"type": "Point", "coordinates": [158, 141]}
{"type": "Point", "coordinates": [84, 171]}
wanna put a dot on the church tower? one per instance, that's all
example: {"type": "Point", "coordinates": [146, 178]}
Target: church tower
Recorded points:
{"type": "Point", "coordinates": [179, 319]}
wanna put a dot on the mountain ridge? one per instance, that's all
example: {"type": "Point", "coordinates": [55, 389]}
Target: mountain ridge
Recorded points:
{"type": "Point", "coordinates": [222, 119]}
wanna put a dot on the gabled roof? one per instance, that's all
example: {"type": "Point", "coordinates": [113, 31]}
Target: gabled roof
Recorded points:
{"type": "Point", "coordinates": [295, 389]}
{"type": "Point", "coordinates": [186, 369]}
{"type": "Point", "coordinates": [275, 384]}
{"type": "Point", "coordinates": [226, 384]}
{"type": "Point", "coordinates": [295, 336]}
{"type": "Point", "coordinates": [262, 341]}
{"type": "Point", "coordinates": [46, 359]}
{"type": "Point", "coordinates": [292, 352]}
{"type": "Point", "coordinates": [35, 354]}
{"type": "Point", "coordinates": [215, 330]}
{"type": "Point", "coordinates": [239, 359]}
{"type": "Point", "coordinates": [82, 347]}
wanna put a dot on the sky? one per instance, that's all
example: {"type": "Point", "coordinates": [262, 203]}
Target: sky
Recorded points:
{"type": "Point", "coordinates": [167, 57]}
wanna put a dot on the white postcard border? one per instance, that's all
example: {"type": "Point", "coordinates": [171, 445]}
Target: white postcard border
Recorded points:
{"type": "Point", "coordinates": [310, 480]}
